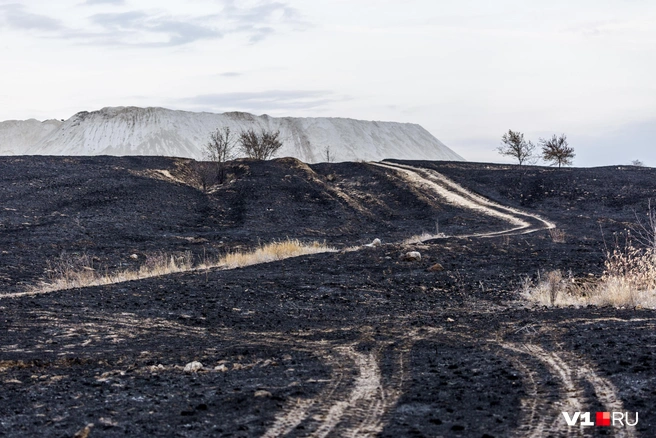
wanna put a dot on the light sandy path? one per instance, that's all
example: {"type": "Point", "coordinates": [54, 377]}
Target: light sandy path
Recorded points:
{"type": "Point", "coordinates": [452, 193]}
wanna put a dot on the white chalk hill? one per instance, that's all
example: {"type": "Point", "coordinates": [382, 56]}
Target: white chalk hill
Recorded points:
{"type": "Point", "coordinates": [159, 131]}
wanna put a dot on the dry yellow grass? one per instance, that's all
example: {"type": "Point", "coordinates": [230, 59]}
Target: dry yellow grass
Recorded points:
{"type": "Point", "coordinates": [629, 280]}
{"type": "Point", "coordinates": [272, 252]}
{"type": "Point", "coordinates": [420, 238]}
{"type": "Point", "coordinates": [75, 272]}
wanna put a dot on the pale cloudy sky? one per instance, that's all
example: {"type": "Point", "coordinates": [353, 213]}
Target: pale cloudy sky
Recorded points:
{"type": "Point", "coordinates": [466, 70]}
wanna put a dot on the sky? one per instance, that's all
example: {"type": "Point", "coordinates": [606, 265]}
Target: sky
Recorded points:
{"type": "Point", "coordinates": [467, 71]}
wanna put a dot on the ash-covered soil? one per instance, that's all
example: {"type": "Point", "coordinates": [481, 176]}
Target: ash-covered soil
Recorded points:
{"type": "Point", "coordinates": [351, 343]}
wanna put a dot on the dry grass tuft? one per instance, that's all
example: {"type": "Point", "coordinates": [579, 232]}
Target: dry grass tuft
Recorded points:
{"type": "Point", "coordinates": [69, 272]}
{"type": "Point", "coordinates": [272, 252]}
{"type": "Point", "coordinates": [629, 280]}
{"type": "Point", "coordinates": [421, 238]}
{"type": "Point", "coordinates": [557, 236]}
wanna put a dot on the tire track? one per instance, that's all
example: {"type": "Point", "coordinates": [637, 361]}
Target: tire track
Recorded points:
{"type": "Point", "coordinates": [571, 372]}
{"type": "Point", "coordinates": [300, 410]}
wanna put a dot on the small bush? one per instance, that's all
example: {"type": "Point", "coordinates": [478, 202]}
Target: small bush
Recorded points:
{"type": "Point", "coordinates": [260, 146]}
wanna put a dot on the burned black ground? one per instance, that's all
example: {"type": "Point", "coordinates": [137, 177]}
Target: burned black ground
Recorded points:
{"type": "Point", "coordinates": [298, 330]}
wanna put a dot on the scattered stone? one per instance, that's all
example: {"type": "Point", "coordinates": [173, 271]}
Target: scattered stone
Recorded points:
{"type": "Point", "coordinates": [134, 257]}
{"type": "Point", "coordinates": [262, 393]}
{"type": "Point", "coordinates": [376, 242]}
{"type": "Point", "coordinates": [221, 368]}
{"type": "Point", "coordinates": [193, 367]}
{"type": "Point", "coordinates": [108, 422]}
{"type": "Point", "coordinates": [450, 320]}
{"type": "Point", "coordinates": [436, 268]}
{"type": "Point", "coordinates": [157, 368]}
{"type": "Point", "coordinates": [84, 433]}
{"type": "Point", "coordinates": [412, 256]}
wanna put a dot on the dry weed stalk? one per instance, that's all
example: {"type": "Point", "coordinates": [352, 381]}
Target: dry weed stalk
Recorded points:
{"type": "Point", "coordinates": [557, 236]}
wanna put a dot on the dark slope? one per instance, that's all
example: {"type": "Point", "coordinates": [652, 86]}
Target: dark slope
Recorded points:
{"type": "Point", "coordinates": [110, 208]}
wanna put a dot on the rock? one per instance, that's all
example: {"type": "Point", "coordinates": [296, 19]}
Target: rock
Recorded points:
{"type": "Point", "coordinates": [450, 320]}
{"type": "Point", "coordinates": [376, 242]}
{"type": "Point", "coordinates": [222, 368]}
{"type": "Point", "coordinates": [412, 256]}
{"type": "Point", "coordinates": [436, 268]}
{"type": "Point", "coordinates": [134, 257]}
{"type": "Point", "coordinates": [193, 367]}
{"type": "Point", "coordinates": [262, 393]}
{"type": "Point", "coordinates": [84, 433]}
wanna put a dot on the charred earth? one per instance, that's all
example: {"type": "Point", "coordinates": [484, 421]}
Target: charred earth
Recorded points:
{"type": "Point", "coordinates": [357, 342]}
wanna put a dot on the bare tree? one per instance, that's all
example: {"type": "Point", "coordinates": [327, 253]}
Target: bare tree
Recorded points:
{"type": "Point", "coordinates": [203, 174]}
{"type": "Point", "coordinates": [259, 146]}
{"type": "Point", "coordinates": [219, 150]}
{"type": "Point", "coordinates": [515, 146]}
{"type": "Point", "coordinates": [329, 156]}
{"type": "Point", "coordinates": [637, 163]}
{"type": "Point", "coordinates": [556, 150]}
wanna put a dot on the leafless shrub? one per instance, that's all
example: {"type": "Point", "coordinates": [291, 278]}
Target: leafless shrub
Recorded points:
{"type": "Point", "coordinates": [203, 175]}
{"type": "Point", "coordinates": [644, 228]}
{"type": "Point", "coordinates": [260, 146]}
{"type": "Point", "coordinates": [328, 155]}
{"type": "Point", "coordinates": [219, 150]}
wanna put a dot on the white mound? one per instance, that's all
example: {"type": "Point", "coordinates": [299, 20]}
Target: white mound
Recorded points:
{"type": "Point", "coordinates": [17, 135]}
{"type": "Point", "coordinates": [159, 131]}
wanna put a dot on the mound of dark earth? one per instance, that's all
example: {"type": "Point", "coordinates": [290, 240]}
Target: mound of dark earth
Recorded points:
{"type": "Point", "coordinates": [353, 343]}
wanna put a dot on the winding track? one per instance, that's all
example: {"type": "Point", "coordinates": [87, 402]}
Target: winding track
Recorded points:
{"type": "Point", "coordinates": [453, 193]}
